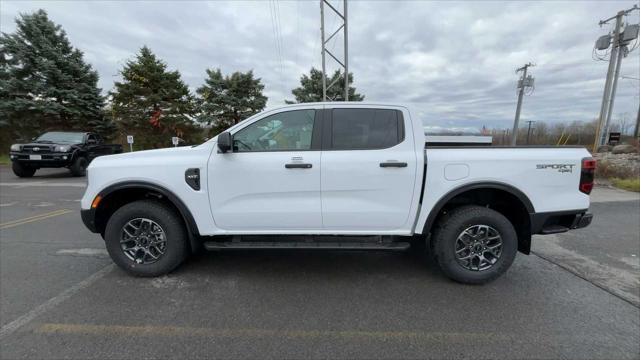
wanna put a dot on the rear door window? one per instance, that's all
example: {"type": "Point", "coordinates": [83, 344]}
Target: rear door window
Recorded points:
{"type": "Point", "coordinates": [361, 129]}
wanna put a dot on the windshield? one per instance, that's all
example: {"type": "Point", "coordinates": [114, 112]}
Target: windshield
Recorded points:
{"type": "Point", "coordinates": [61, 137]}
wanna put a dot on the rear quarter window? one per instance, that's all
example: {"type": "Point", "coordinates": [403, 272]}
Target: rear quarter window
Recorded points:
{"type": "Point", "coordinates": [361, 129]}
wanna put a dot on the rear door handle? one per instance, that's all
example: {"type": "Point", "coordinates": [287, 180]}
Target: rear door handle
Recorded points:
{"type": "Point", "coordinates": [298, 166]}
{"type": "Point", "coordinates": [393, 164]}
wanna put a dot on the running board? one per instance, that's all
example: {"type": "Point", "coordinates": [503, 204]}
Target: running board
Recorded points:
{"type": "Point", "coordinates": [291, 245]}
{"type": "Point", "coordinates": [554, 229]}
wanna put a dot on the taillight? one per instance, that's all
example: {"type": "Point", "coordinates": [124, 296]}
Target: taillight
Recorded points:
{"type": "Point", "coordinates": [586, 175]}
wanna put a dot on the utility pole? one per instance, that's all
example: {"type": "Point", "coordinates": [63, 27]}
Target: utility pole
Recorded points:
{"type": "Point", "coordinates": [529, 130]}
{"type": "Point", "coordinates": [618, 51]}
{"type": "Point", "coordinates": [635, 130]}
{"type": "Point", "coordinates": [345, 61]}
{"type": "Point", "coordinates": [523, 83]}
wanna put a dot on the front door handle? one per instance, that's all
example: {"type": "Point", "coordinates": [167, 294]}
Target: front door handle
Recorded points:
{"type": "Point", "coordinates": [298, 166]}
{"type": "Point", "coordinates": [393, 164]}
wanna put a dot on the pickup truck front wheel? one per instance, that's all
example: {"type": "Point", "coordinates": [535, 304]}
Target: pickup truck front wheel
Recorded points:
{"type": "Point", "coordinates": [146, 238]}
{"type": "Point", "coordinates": [22, 170]}
{"type": "Point", "coordinates": [474, 245]}
{"type": "Point", "coordinates": [79, 166]}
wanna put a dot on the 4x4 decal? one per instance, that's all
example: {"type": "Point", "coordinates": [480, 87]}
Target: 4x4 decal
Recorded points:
{"type": "Point", "coordinates": [563, 168]}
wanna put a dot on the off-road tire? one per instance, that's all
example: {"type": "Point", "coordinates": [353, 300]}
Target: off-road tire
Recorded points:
{"type": "Point", "coordinates": [176, 237]}
{"type": "Point", "coordinates": [79, 166]}
{"type": "Point", "coordinates": [448, 229]}
{"type": "Point", "coordinates": [23, 171]}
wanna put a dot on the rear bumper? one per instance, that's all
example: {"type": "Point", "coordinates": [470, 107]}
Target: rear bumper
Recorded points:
{"type": "Point", "coordinates": [560, 221]}
{"type": "Point", "coordinates": [89, 219]}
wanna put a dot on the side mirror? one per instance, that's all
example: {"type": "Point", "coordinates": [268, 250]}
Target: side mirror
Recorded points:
{"type": "Point", "coordinates": [91, 141]}
{"type": "Point", "coordinates": [225, 141]}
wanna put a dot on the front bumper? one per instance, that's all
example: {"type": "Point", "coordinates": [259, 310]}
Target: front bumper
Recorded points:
{"type": "Point", "coordinates": [558, 222]}
{"type": "Point", "coordinates": [45, 160]}
{"type": "Point", "coordinates": [89, 219]}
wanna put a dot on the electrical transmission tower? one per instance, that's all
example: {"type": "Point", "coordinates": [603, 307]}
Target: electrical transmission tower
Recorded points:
{"type": "Point", "coordinates": [525, 82]}
{"type": "Point", "coordinates": [345, 61]}
{"type": "Point", "coordinates": [618, 41]}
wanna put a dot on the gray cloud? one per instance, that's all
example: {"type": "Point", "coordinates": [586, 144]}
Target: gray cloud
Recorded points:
{"type": "Point", "coordinates": [453, 62]}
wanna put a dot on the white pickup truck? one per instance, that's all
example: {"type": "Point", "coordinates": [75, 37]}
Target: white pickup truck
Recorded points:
{"type": "Point", "coordinates": [342, 176]}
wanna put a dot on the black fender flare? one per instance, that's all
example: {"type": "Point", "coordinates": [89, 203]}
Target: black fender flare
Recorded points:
{"type": "Point", "coordinates": [472, 186]}
{"type": "Point", "coordinates": [75, 153]}
{"type": "Point", "coordinates": [185, 213]}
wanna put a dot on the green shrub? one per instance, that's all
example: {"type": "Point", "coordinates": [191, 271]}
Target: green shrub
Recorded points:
{"type": "Point", "coordinates": [627, 184]}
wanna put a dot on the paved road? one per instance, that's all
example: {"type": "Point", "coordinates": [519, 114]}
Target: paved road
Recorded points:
{"type": "Point", "coordinates": [61, 298]}
{"type": "Point", "coordinates": [607, 252]}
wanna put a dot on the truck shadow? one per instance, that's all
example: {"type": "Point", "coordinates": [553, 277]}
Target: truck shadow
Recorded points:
{"type": "Point", "coordinates": [52, 174]}
{"type": "Point", "coordinates": [329, 264]}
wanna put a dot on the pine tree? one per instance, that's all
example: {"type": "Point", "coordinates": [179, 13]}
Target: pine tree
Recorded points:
{"type": "Point", "coordinates": [310, 89]}
{"type": "Point", "coordinates": [225, 101]}
{"type": "Point", "coordinates": [152, 103]}
{"type": "Point", "coordinates": [45, 83]}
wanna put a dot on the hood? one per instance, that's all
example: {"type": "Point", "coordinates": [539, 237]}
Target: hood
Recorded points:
{"type": "Point", "coordinates": [157, 157]}
{"type": "Point", "coordinates": [44, 145]}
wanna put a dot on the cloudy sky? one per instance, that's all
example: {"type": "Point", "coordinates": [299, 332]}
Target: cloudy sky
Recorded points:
{"type": "Point", "coordinates": [453, 62]}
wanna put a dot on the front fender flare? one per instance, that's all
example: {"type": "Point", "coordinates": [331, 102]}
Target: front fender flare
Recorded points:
{"type": "Point", "coordinates": [185, 213]}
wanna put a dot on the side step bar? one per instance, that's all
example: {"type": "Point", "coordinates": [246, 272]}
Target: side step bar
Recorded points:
{"type": "Point", "coordinates": [319, 245]}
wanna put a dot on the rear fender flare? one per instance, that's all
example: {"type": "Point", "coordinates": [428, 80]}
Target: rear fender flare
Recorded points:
{"type": "Point", "coordinates": [433, 214]}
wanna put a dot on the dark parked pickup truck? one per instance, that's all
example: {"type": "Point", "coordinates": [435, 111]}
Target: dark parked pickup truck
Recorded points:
{"type": "Point", "coordinates": [55, 149]}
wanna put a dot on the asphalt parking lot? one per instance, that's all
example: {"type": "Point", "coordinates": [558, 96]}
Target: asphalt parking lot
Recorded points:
{"type": "Point", "coordinates": [577, 296]}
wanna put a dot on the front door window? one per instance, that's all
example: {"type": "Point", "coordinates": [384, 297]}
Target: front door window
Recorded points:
{"type": "Point", "coordinates": [286, 131]}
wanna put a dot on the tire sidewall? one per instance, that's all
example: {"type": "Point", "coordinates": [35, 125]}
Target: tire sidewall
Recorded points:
{"type": "Point", "coordinates": [171, 224]}
{"type": "Point", "coordinates": [445, 247]}
{"type": "Point", "coordinates": [21, 170]}
{"type": "Point", "coordinates": [79, 166]}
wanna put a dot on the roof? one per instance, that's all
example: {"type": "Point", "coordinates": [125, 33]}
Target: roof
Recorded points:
{"type": "Point", "coordinates": [334, 103]}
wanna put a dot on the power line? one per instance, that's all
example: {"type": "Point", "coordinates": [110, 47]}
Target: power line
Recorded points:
{"type": "Point", "coordinates": [277, 37]}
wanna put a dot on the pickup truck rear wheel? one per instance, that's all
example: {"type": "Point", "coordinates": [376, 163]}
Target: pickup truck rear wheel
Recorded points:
{"type": "Point", "coordinates": [22, 170]}
{"type": "Point", "coordinates": [79, 166]}
{"type": "Point", "coordinates": [474, 245]}
{"type": "Point", "coordinates": [146, 238]}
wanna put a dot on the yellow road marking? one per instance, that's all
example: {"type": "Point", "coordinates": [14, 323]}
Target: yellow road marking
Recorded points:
{"type": "Point", "coordinates": [27, 220]}
{"type": "Point", "coordinates": [31, 217]}
{"type": "Point", "coordinates": [169, 331]}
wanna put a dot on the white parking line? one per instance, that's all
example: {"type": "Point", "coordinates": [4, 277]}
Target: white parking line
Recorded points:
{"type": "Point", "coordinates": [84, 252]}
{"type": "Point", "coordinates": [9, 328]}
{"type": "Point", "coordinates": [43, 184]}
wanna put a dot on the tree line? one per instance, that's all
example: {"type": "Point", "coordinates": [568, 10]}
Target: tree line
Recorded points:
{"type": "Point", "coordinates": [45, 84]}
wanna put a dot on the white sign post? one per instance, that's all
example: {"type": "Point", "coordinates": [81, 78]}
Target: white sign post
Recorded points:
{"type": "Point", "coordinates": [175, 140]}
{"type": "Point", "coordinates": [130, 141]}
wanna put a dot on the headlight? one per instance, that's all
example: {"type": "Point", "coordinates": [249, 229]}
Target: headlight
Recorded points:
{"type": "Point", "coordinates": [16, 147]}
{"type": "Point", "coordinates": [62, 148]}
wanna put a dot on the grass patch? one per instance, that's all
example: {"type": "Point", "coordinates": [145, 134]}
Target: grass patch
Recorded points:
{"type": "Point", "coordinates": [627, 184]}
{"type": "Point", "coordinates": [4, 159]}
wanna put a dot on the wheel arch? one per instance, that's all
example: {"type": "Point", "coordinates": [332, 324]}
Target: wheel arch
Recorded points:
{"type": "Point", "coordinates": [504, 198]}
{"type": "Point", "coordinates": [116, 195]}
